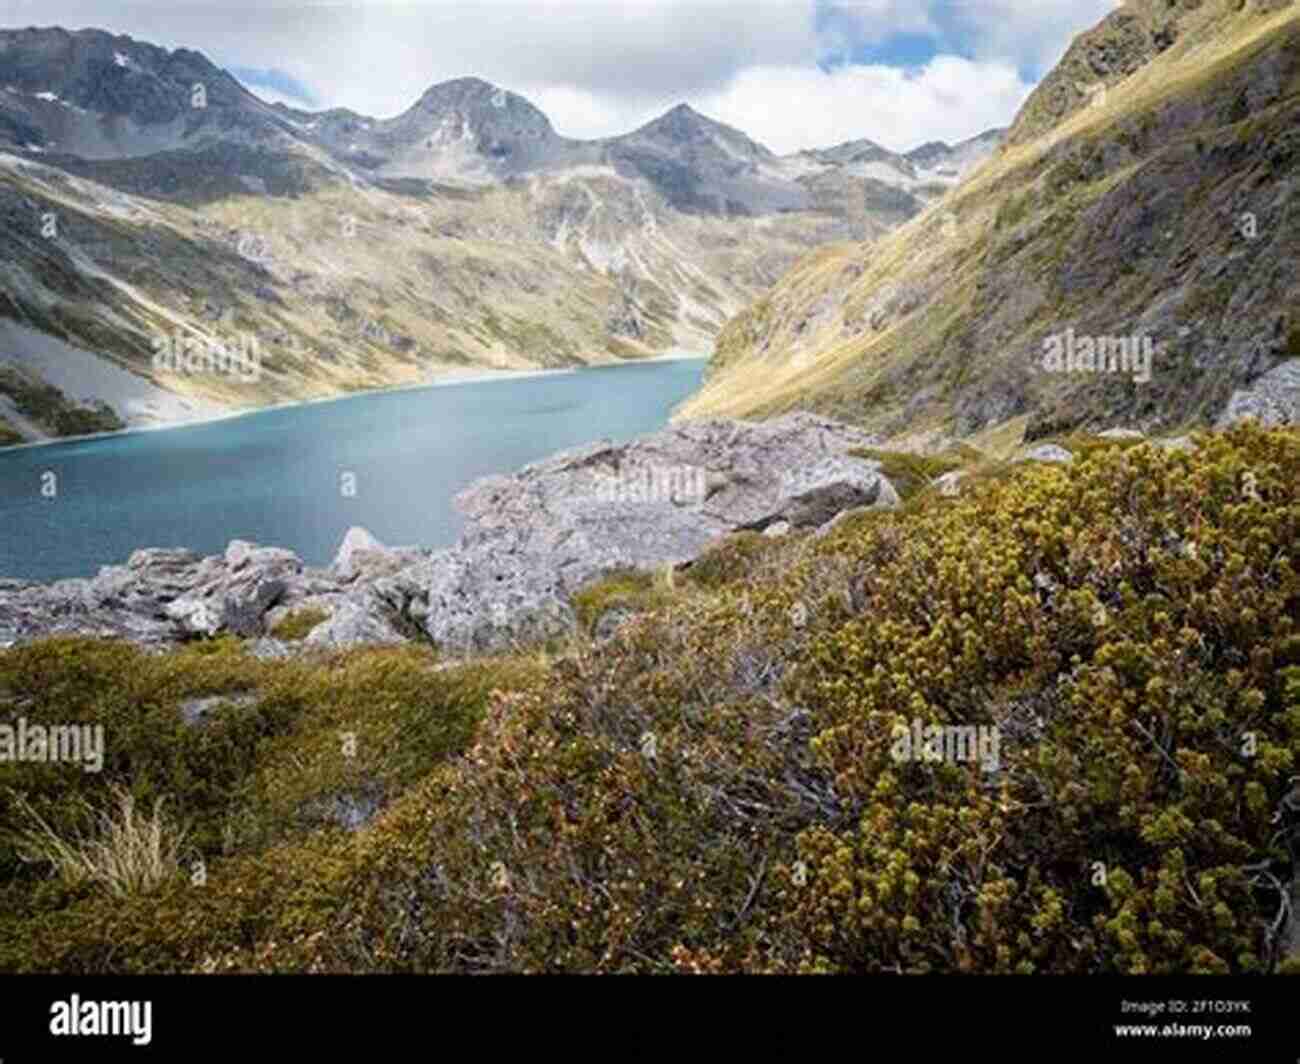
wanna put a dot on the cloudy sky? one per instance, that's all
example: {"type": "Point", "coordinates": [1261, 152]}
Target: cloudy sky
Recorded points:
{"type": "Point", "coordinates": [791, 73]}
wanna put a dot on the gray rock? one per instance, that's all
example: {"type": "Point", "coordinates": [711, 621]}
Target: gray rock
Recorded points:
{"type": "Point", "coordinates": [1272, 400]}
{"type": "Point", "coordinates": [533, 539]}
{"type": "Point", "coordinates": [1121, 434]}
{"type": "Point", "coordinates": [237, 596]}
{"type": "Point", "coordinates": [354, 540]}
{"type": "Point", "coordinates": [195, 710]}
{"type": "Point", "coordinates": [196, 616]}
{"type": "Point", "coordinates": [949, 485]}
{"type": "Point", "coordinates": [1176, 443]}
{"type": "Point", "coordinates": [364, 559]}
{"type": "Point", "coordinates": [478, 603]}
{"type": "Point", "coordinates": [355, 623]}
{"type": "Point", "coordinates": [268, 649]}
{"type": "Point", "coordinates": [1048, 452]}
{"type": "Point", "coordinates": [838, 520]}
{"type": "Point", "coordinates": [778, 529]}
{"type": "Point", "coordinates": [814, 494]}
{"type": "Point", "coordinates": [244, 604]}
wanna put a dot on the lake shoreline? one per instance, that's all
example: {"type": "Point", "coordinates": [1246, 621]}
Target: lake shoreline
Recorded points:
{"type": "Point", "coordinates": [303, 475]}
{"type": "Point", "coordinates": [451, 379]}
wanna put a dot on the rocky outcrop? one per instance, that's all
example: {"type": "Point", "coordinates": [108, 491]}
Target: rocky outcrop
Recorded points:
{"type": "Point", "coordinates": [532, 539]}
{"type": "Point", "coordinates": [1049, 452]}
{"type": "Point", "coordinates": [538, 536]}
{"type": "Point", "coordinates": [1272, 400]}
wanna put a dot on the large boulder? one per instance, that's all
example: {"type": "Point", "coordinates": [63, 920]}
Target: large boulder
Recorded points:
{"type": "Point", "coordinates": [1272, 400]}
{"type": "Point", "coordinates": [476, 604]}
{"type": "Point", "coordinates": [533, 539]}
{"type": "Point", "coordinates": [814, 494]}
{"type": "Point", "coordinates": [236, 596]}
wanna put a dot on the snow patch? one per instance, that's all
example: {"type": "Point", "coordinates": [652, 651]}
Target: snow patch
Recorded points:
{"type": "Point", "coordinates": [730, 150]}
{"type": "Point", "coordinates": [585, 171]}
{"type": "Point", "coordinates": [882, 172]}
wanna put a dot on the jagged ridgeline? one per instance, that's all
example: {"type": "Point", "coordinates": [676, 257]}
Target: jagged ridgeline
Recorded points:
{"type": "Point", "coordinates": [148, 199]}
{"type": "Point", "coordinates": [1144, 199]}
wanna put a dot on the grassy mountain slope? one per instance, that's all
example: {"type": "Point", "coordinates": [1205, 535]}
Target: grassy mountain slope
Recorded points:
{"type": "Point", "coordinates": [1119, 214]}
{"type": "Point", "coordinates": [345, 287]}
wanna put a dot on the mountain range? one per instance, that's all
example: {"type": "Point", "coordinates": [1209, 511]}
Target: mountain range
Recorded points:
{"type": "Point", "coordinates": [936, 636]}
{"type": "Point", "coordinates": [150, 199]}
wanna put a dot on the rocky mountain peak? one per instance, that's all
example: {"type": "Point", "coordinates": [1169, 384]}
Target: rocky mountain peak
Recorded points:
{"type": "Point", "coordinates": [685, 125]}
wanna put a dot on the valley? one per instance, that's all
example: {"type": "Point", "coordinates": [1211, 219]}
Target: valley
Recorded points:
{"type": "Point", "coordinates": [361, 253]}
{"type": "Point", "coordinates": [937, 614]}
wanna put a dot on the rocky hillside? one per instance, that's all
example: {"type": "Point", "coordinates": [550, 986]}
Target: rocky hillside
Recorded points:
{"type": "Point", "coordinates": [1125, 258]}
{"type": "Point", "coordinates": [692, 761]}
{"type": "Point", "coordinates": [152, 205]}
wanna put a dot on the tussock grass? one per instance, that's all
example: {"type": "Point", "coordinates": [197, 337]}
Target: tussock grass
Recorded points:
{"type": "Point", "coordinates": [121, 849]}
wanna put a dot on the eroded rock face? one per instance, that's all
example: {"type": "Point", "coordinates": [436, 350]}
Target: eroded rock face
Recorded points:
{"type": "Point", "coordinates": [1272, 400]}
{"type": "Point", "coordinates": [362, 557]}
{"type": "Point", "coordinates": [1049, 452]}
{"type": "Point", "coordinates": [238, 595]}
{"type": "Point", "coordinates": [531, 540]}
{"type": "Point", "coordinates": [535, 538]}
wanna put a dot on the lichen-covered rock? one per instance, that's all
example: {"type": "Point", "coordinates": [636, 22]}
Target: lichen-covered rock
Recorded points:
{"type": "Point", "coordinates": [1049, 452]}
{"type": "Point", "coordinates": [535, 538]}
{"type": "Point", "coordinates": [814, 494]}
{"type": "Point", "coordinates": [1272, 400]}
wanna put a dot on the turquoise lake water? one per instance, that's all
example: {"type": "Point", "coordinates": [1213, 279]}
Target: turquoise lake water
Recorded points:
{"type": "Point", "coordinates": [277, 477]}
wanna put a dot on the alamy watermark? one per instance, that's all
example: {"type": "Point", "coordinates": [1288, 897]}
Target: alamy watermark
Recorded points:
{"type": "Point", "coordinates": [1069, 353]}
{"type": "Point", "coordinates": [89, 1018]}
{"type": "Point", "coordinates": [72, 744]}
{"type": "Point", "coordinates": [680, 485]}
{"type": "Point", "coordinates": [951, 743]}
{"type": "Point", "coordinates": [204, 354]}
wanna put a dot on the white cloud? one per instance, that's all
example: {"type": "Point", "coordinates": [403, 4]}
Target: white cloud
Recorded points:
{"type": "Point", "coordinates": [600, 67]}
{"type": "Point", "coordinates": [845, 24]}
{"type": "Point", "coordinates": [1029, 33]}
{"type": "Point", "coordinates": [792, 108]}
{"type": "Point", "coordinates": [269, 95]}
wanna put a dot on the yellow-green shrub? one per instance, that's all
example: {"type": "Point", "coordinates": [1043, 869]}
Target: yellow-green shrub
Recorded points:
{"type": "Point", "coordinates": [713, 789]}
